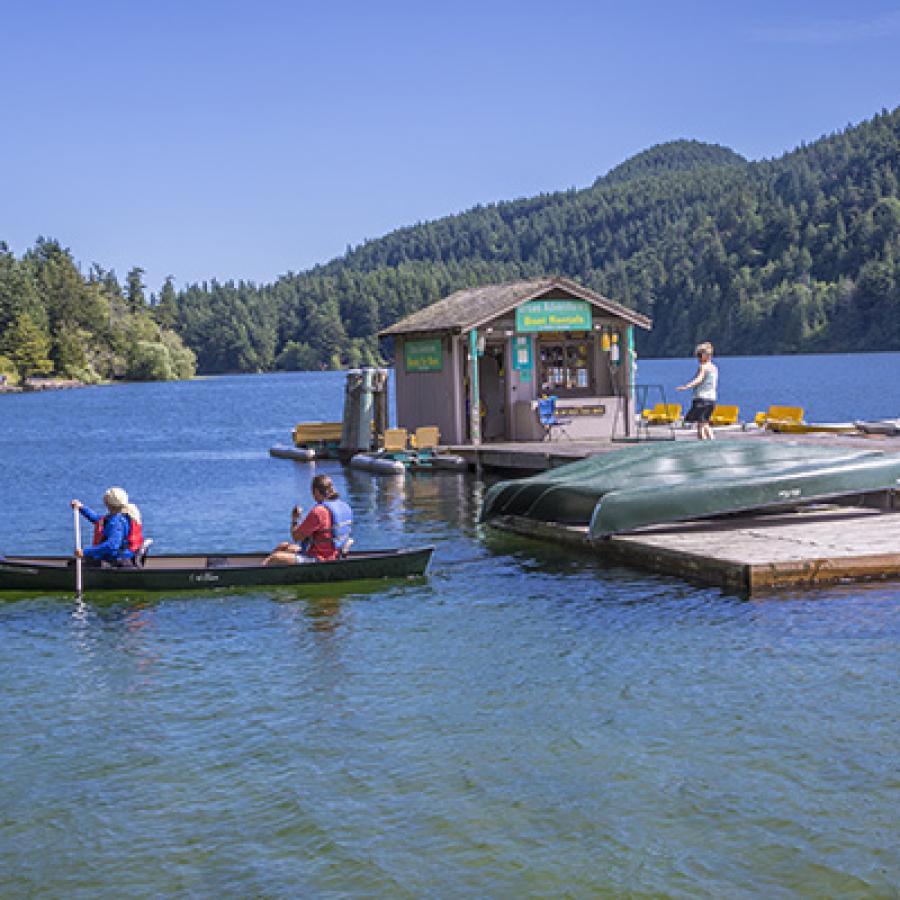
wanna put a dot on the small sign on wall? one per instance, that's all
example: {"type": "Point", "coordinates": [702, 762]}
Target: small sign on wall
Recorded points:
{"type": "Point", "coordinates": [424, 355]}
{"type": "Point", "coordinates": [522, 356]}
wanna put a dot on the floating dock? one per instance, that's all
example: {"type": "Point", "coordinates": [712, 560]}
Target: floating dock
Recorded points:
{"type": "Point", "coordinates": [749, 555]}
{"type": "Point", "coordinates": [537, 456]}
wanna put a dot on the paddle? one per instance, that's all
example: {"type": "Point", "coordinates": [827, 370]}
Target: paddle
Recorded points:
{"type": "Point", "coordinates": [78, 580]}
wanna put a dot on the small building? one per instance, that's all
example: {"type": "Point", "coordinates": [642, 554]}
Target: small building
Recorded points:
{"type": "Point", "coordinates": [476, 363]}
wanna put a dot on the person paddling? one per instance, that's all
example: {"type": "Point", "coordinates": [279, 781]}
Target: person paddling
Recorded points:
{"type": "Point", "coordinates": [323, 535]}
{"type": "Point", "coordinates": [118, 535]}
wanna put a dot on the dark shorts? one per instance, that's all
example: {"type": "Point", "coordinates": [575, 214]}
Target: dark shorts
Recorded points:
{"type": "Point", "coordinates": [700, 411]}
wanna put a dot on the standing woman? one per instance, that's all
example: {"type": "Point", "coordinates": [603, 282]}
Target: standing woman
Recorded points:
{"type": "Point", "coordinates": [706, 387]}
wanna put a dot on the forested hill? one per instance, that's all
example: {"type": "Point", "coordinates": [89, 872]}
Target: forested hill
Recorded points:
{"type": "Point", "coordinates": [798, 253]}
{"type": "Point", "coordinates": [794, 254]}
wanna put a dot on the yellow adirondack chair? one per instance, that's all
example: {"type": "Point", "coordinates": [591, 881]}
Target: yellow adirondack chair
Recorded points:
{"type": "Point", "coordinates": [724, 415]}
{"type": "Point", "coordinates": [426, 437]}
{"type": "Point", "coordinates": [780, 415]}
{"type": "Point", "coordinates": [662, 414]}
{"type": "Point", "coordinates": [395, 440]}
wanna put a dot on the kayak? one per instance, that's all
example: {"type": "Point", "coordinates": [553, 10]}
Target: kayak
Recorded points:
{"type": "Point", "coordinates": [649, 485]}
{"type": "Point", "coordinates": [194, 572]}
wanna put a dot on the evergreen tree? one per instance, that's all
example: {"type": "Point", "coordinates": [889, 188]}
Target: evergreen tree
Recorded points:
{"type": "Point", "coordinates": [28, 347]}
{"type": "Point", "coordinates": [134, 288]}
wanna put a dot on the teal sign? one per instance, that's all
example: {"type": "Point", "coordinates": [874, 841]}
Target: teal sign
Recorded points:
{"type": "Point", "coordinates": [522, 356]}
{"type": "Point", "coordinates": [554, 315]}
{"type": "Point", "coordinates": [423, 356]}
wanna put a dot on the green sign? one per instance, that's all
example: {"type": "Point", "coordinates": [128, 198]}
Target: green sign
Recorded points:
{"type": "Point", "coordinates": [424, 356]}
{"type": "Point", "coordinates": [554, 315]}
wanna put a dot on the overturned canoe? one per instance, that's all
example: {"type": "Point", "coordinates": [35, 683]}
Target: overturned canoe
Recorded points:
{"type": "Point", "coordinates": [652, 484]}
{"type": "Point", "coordinates": [888, 427]}
{"type": "Point", "coordinates": [201, 572]}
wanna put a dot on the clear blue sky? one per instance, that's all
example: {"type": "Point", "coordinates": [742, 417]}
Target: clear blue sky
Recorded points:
{"type": "Point", "coordinates": [243, 140]}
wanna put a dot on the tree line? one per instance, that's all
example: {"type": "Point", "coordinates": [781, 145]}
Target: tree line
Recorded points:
{"type": "Point", "coordinates": [56, 321]}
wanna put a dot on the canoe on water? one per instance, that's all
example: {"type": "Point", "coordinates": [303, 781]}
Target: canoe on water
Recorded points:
{"type": "Point", "coordinates": [202, 572]}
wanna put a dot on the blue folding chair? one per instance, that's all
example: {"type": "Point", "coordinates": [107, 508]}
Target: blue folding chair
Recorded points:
{"type": "Point", "coordinates": [549, 419]}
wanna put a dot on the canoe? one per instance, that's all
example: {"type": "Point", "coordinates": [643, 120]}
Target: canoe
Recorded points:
{"type": "Point", "coordinates": [653, 484]}
{"type": "Point", "coordinates": [187, 572]}
{"type": "Point", "coordinates": [888, 427]}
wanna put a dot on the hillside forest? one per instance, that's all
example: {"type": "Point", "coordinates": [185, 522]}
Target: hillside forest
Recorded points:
{"type": "Point", "coordinates": [789, 255]}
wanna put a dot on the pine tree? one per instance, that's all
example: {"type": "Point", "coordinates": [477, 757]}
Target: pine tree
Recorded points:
{"type": "Point", "coordinates": [134, 288]}
{"type": "Point", "coordinates": [28, 347]}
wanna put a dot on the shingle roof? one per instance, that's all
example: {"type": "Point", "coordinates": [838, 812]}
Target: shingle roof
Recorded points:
{"type": "Point", "coordinates": [472, 307]}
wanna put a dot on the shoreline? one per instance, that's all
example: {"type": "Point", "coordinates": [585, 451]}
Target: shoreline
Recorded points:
{"type": "Point", "coordinates": [31, 385]}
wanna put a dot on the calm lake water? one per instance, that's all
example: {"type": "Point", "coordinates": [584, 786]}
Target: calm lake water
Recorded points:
{"type": "Point", "coordinates": [522, 723]}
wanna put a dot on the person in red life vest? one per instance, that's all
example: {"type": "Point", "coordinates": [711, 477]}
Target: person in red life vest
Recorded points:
{"type": "Point", "coordinates": [323, 535]}
{"type": "Point", "coordinates": [118, 535]}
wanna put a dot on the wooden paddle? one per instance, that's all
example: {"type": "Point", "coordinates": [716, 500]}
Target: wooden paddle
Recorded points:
{"type": "Point", "coordinates": [78, 579]}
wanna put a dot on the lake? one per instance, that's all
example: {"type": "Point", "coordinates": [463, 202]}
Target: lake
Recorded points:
{"type": "Point", "coordinates": [524, 722]}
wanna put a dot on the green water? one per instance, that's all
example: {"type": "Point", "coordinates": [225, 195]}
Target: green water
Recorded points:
{"type": "Point", "coordinates": [522, 723]}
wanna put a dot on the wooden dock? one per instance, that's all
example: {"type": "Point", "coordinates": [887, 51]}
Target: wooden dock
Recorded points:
{"type": "Point", "coordinates": [537, 456]}
{"type": "Point", "coordinates": [750, 555]}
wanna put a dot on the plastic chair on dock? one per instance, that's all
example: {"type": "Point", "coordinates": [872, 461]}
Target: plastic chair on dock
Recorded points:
{"type": "Point", "coordinates": [549, 419]}
{"type": "Point", "coordinates": [724, 415]}
{"type": "Point", "coordinates": [779, 415]}
{"type": "Point", "coordinates": [425, 441]}
{"type": "Point", "coordinates": [396, 440]}
{"type": "Point", "coordinates": [662, 414]}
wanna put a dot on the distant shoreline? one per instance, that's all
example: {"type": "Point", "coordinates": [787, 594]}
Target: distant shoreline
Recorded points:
{"type": "Point", "coordinates": [32, 385]}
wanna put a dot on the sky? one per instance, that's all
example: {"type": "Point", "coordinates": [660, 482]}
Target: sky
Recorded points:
{"type": "Point", "coordinates": [239, 140]}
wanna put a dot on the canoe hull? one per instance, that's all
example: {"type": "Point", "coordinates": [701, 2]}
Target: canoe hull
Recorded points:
{"type": "Point", "coordinates": [630, 489]}
{"type": "Point", "coordinates": [203, 572]}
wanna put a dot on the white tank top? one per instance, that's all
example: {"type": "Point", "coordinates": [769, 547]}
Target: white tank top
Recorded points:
{"type": "Point", "coordinates": [708, 388]}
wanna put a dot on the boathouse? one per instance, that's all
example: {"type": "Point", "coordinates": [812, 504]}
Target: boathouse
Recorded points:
{"type": "Point", "coordinates": [477, 363]}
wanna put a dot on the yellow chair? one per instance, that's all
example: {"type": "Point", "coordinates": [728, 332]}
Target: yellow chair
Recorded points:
{"type": "Point", "coordinates": [395, 440]}
{"type": "Point", "coordinates": [426, 437]}
{"type": "Point", "coordinates": [780, 415]}
{"type": "Point", "coordinates": [662, 414]}
{"type": "Point", "coordinates": [724, 415]}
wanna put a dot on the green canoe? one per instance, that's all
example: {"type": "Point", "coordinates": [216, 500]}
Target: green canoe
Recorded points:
{"type": "Point", "coordinates": [653, 484]}
{"type": "Point", "coordinates": [202, 572]}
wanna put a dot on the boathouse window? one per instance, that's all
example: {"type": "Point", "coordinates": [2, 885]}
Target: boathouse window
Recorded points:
{"type": "Point", "coordinates": [567, 366]}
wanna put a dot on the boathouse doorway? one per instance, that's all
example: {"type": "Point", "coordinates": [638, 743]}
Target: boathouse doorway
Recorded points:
{"type": "Point", "coordinates": [492, 386]}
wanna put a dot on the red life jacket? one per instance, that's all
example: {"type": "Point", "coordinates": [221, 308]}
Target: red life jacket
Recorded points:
{"type": "Point", "coordinates": [134, 540]}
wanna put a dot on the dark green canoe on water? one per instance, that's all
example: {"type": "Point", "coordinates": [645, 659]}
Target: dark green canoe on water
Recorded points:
{"type": "Point", "coordinates": [655, 483]}
{"type": "Point", "coordinates": [202, 572]}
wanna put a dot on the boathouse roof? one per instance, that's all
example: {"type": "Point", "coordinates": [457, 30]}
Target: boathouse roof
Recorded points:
{"type": "Point", "coordinates": [472, 307]}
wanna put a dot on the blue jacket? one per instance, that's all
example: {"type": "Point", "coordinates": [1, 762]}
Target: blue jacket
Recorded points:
{"type": "Point", "coordinates": [115, 535]}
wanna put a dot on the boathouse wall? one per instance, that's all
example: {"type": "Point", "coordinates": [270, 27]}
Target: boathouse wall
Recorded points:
{"type": "Point", "coordinates": [426, 394]}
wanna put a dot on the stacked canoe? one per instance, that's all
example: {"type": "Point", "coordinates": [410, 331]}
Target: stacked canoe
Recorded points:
{"type": "Point", "coordinates": [653, 484]}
